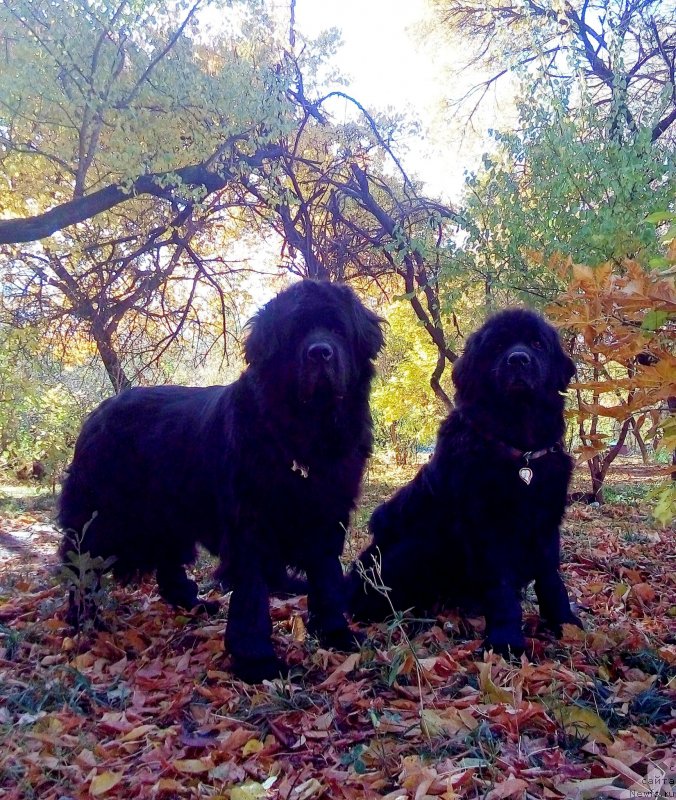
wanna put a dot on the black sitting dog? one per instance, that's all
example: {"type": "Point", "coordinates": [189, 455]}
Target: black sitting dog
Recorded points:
{"type": "Point", "coordinates": [263, 472]}
{"type": "Point", "coordinates": [481, 519]}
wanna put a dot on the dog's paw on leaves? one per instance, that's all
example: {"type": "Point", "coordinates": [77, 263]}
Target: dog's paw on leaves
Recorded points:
{"type": "Point", "coordinates": [256, 670]}
{"type": "Point", "coordinates": [509, 650]}
{"type": "Point", "coordinates": [343, 639]}
{"type": "Point", "coordinates": [558, 629]}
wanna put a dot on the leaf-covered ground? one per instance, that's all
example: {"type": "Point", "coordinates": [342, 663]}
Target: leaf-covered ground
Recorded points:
{"type": "Point", "coordinates": [149, 709]}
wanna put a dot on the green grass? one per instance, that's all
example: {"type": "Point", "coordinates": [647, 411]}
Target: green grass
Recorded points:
{"type": "Point", "coordinates": [627, 493]}
{"type": "Point", "coordinates": [16, 499]}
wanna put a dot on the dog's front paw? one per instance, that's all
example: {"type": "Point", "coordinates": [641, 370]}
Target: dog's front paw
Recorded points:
{"type": "Point", "coordinates": [555, 627]}
{"type": "Point", "coordinates": [507, 643]}
{"type": "Point", "coordinates": [343, 639]}
{"type": "Point", "coordinates": [255, 670]}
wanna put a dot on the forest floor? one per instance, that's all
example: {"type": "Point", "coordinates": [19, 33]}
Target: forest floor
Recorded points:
{"type": "Point", "coordinates": [148, 709]}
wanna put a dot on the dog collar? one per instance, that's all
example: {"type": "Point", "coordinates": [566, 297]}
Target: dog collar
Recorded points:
{"type": "Point", "coordinates": [525, 472]}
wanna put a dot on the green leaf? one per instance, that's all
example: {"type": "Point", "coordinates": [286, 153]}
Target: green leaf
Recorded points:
{"type": "Point", "coordinates": [659, 262]}
{"type": "Point", "coordinates": [657, 217]}
{"type": "Point", "coordinates": [654, 320]}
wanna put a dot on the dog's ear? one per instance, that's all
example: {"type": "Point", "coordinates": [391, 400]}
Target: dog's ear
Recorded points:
{"type": "Point", "coordinates": [262, 339]}
{"type": "Point", "coordinates": [566, 371]}
{"type": "Point", "coordinates": [367, 326]}
{"type": "Point", "coordinates": [464, 369]}
{"type": "Point", "coordinates": [563, 367]}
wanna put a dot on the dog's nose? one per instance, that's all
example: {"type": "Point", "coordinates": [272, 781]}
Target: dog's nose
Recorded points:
{"type": "Point", "coordinates": [519, 358]}
{"type": "Point", "coordinates": [320, 351]}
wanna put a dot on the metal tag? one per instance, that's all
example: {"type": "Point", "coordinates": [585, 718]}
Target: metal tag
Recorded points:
{"type": "Point", "coordinates": [526, 475]}
{"type": "Point", "coordinates": [296, 467]}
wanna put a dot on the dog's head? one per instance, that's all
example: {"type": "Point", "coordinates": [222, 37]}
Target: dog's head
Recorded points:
{"type": "Point", "coordinates": [315, 340]}
{"type": "Point", "coordinates": [515, 355]}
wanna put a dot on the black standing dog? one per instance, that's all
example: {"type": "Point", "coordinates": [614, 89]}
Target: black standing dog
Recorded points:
{"type": "Point", "coordinates": [481, 519]}
{"type": "Point", "coordinates": [263, 472]}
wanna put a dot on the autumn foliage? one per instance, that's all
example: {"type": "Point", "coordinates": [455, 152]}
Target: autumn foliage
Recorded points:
{"type": "Point", "coordinates": [620, 321]}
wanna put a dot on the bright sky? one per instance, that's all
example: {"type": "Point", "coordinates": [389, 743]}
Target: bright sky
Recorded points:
{"type": "Point", "coordinates": [388, 65]}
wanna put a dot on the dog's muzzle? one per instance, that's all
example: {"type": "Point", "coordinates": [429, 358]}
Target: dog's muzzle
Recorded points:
{"type": "Point", "coordinates": [322, 377]}
{"type": "Point", "coordinates": [320, 352]}
{"type": "Point", "coordinates": [519, 370]}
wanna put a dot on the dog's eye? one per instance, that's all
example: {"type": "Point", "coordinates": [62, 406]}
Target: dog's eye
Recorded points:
{"type": "Point", "coordinates": [536, 344]}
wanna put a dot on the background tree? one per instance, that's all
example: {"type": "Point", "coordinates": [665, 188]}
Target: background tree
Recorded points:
{"type": "Point", "coordinates": [132, 300]}
{"type": "Point", "coordinates": [225, 129]}
{"type": "Point", "coordinates": [406, 411]}
{"type": "Point", "coordinates": [333, 204]}
{"type": "Point", "coordinates": [561, 184]}
{"type": "Point", "coordinates": [624, 51]}
{"type": "Point", "coordinates": [43, 399]}
{"type": "Point", "coordinates": [124, 100]}
{"type": "Point", "coordinates": [621, 321]}
{"type": "Point", "coordinates": [127, 124]}
{"type": "Point", "coordinates": [591, 152]}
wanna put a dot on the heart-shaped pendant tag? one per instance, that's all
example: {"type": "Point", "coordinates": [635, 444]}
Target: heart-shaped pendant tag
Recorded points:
{"type": "Point", "coordinates": [526, 475]}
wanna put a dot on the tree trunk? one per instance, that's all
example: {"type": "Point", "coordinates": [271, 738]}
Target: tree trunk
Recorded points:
{"type": "Point", "coordinates": [671, 402]}
{"type": "Point", "coordinates": [639, 441]}
{"type": "Point", "coordinates": [598, 467]}
{"type": "Point", "coordinates": [597, 475]}
{"type": "Point", "coordinates": [111, 360]}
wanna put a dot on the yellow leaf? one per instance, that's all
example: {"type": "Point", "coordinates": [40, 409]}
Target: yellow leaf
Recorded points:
{"type": "Point", "coordinates": [167, 785]}
{"type": "Point", "coordinates": [138, 732]}
{"type": "Point", "coordinates": [341, 671]}
{"type": "Point", "coordinates": [248, 791]}
{"type": "Point", "coordinates": [492, 693]}
{"type": "Point", "coordinates": [448, 722]}
{"type": "Point", "coordinates": [191, 766]}
{"type": "Point", "coordinates": [431, 723]}
{"type": "Point", "coordinates": [103, 782]}
{"type": "Point", "coordinates": [84, 660]}
{"type": "Point", "coordinates": [252, 746]}
{"type": "Point", "coordinates": [621, 590]}
{"type": "Point", "coordinates": [583, 274]}
{"type": "Point", "coordinates": [584, 723]}
{"type": "Point", "coordinates": [298, 630]}
{"type": "Point", "coordinates": [571, 633]}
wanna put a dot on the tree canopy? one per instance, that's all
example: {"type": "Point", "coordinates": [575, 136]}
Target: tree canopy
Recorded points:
{"type": "Point", "coordinates": [624, 51]}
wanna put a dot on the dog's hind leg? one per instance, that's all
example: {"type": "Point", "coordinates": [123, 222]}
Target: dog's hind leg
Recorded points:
{"type": "Point", "coordinates": [179, 590]}
{"type": "Point", "coordinates": [406, 576]}
{"type": "Point", "coordinates": [554, 603]}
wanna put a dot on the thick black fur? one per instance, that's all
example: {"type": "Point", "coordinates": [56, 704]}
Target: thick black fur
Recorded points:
{"type": "Point", "coordinates": [467, 531]}
{"type": "Point", "coordinates": [263, 472]}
